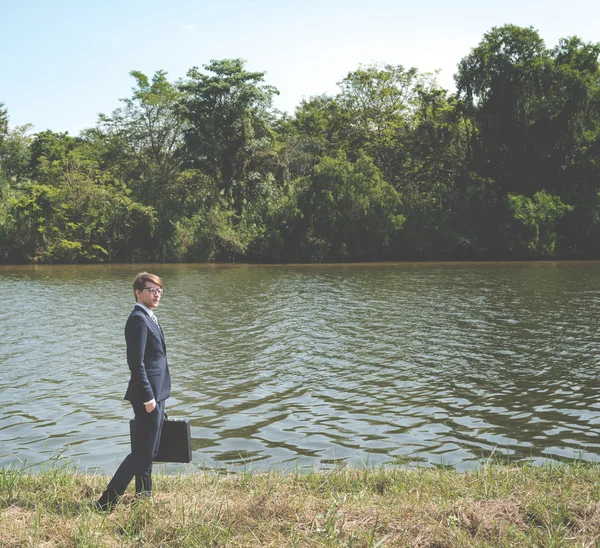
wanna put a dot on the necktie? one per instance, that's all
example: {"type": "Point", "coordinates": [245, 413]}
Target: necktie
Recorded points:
{"type": "Point", "coordinates": [154, 319]}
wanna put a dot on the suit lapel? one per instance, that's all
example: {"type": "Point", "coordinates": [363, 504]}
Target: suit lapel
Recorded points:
{"type": "Point", "coordinates": [162, 335]}
{"type": "Point", "coordinates": [154, 326]}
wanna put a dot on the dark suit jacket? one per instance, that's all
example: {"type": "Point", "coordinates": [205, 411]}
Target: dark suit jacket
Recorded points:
{"type": "Point", "coordinates": [147, 359]}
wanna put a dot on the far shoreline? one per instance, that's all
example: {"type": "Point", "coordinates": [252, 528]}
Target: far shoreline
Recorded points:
{"type": "Point", "coordinates": [226, 264]}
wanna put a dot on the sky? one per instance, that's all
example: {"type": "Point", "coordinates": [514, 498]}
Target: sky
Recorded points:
{"type": "Point", "coordinates": [63, 62]}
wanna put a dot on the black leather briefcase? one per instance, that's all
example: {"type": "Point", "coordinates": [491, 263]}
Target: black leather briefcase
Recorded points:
{"type": "Point", "coordinates": [175, 440]}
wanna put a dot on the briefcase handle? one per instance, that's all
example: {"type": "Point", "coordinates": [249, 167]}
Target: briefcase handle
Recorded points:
{"type": "Point", "coordinates": [166, 416]}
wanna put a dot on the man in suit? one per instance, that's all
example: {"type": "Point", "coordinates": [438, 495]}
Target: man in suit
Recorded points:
{"type": "Point", "coordinates": [149, 387]}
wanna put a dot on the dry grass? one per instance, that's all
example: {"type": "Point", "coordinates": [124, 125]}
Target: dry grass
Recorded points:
{"type": "Point", "coordinates": [494, 506]}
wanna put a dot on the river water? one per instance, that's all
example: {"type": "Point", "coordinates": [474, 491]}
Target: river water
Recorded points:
{"type": "Point", "coordinates": [303, 366]}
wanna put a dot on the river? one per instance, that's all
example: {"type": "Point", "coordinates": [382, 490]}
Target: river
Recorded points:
{"type": "Point", "coordinates": [310, 366]}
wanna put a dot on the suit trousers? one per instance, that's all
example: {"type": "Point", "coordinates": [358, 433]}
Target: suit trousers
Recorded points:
{"type": "Point", "coordinates": [138, 463]}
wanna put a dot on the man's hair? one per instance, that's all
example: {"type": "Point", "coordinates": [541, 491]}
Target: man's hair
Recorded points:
{"type": "Point", "coordinates": [142, 278]}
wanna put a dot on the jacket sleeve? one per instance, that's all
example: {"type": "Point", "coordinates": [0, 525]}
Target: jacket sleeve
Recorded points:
{"type": "Point", "coordinates": [136, 336]}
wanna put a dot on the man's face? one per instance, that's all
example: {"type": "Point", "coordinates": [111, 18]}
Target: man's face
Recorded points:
{"type": "Point", "coordinates": [149, 296]}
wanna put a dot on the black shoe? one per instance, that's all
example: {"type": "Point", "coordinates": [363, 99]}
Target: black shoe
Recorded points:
{"type": "Point", "coordinates": [141, 496]}
{"type": "Point", "coordinates": [106, 503]}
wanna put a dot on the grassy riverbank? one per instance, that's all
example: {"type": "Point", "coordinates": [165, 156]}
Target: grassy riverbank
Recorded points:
{"type": "Point", "coordinates": [498, 505]}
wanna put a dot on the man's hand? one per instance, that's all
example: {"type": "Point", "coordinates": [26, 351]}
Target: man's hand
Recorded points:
{"type": "Point", "coordinates": [150, 406]}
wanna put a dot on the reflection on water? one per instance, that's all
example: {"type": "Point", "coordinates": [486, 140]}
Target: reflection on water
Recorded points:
{"type": "Point", "coordinates": [302, 366]}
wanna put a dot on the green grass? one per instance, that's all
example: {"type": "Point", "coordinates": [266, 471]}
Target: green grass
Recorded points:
{"type": "Point", "coordinates": [495, 505]}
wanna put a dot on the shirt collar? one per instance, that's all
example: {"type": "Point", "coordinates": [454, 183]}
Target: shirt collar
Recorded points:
{"type": "Point", "coordinates": [150, 313]}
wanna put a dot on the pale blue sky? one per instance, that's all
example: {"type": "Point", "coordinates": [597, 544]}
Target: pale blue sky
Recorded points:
{"type": "Point", "coordinates": [64, 61]}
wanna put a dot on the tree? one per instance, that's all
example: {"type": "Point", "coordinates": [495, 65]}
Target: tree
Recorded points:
{"type": "Point", "coordinates": [141, 144]}
{"type": "Point", "coordinates": [314, 131]}
{"type": "Point", "coordinates": [437, 191]}
{"type": "Point", "coordinates": [535, 115]}
{"type": "Point", "coordinates": [502, 83]}
{"type": "Point", "coordinates": [532, 223]}
{"type": "Point", "coordinates": [4, 182]}
{"type": "Point", "coordinates": [349, 210]}
{"type": "Point", "coordinates": [150, 129]}
{"type": "Point", "coordinates": [572, 118]}
{"type": "Point", "coordinates": [15, 153]}
{"type": "Point", "coordinates": [228, 134]}
{"type": "Point", "coordinates": [48, 151]}
{"type": "Point", "coordinates": [73, 210]}
{"type": "Point", "coordinates": [378, 104]}
{"type": "Point", "coordinates": [3, 122]}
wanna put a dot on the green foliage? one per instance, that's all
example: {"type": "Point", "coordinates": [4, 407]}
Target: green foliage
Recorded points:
{"type": "Point", "coordinates": [390, 167]}
{"type": "Point", "coordinates": [15, 153]}
{"type": "Point", "coordinates": [532, 225]}
{"type": "Point", "coordinates": [435, 188]}
{"type": "Point", "coordinates": [228, 134]}
{"type": "Point", "coordinates": [3, 122]}
{"type": "Point", "coordinates": [378, 104]}
{"type": "Point", "coordinates": [149, 131]}
{"type": "Point", "coordinates": [77, 216]}
{"type": "Point", "coordinates": [4, 216]}
{"type": "Point", "coordinates": [206, 236]}
{"type": "Point", "coordinates": [535, 116]}
{"type": "Point", "coordinates": [503, 82]}
{"type": "Point", "coordinates": [47, 153]}
{"type": "Point", "coordinates": [281, 237]}
{"type": "Point", "coordinates": [580, 229]}
{"type": "Point", "coordinates": [315, 131]}
{"type": "Point", "coordinates": [141, 144]}
{"type": "Point", "coordinates": [350, 210]}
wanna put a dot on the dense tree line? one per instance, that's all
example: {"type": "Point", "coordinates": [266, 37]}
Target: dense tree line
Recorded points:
{"type": "Point", "coordinates": [391, 167]}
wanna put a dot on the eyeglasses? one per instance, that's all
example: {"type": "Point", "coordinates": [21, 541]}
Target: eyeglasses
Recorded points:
{"type": "Point", "coordinates": [154, 291]}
